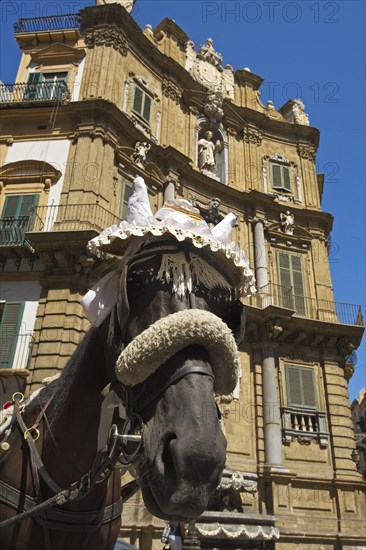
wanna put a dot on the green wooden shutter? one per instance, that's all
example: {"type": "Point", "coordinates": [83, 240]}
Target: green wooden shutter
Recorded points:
{"type": "Point", "coordinates": [286, 178]}
{"type": "Point", "coordinates": [308, 388]}
{"type": "Point", "coordinates": [285, 293]}
{"type": "Point", "coordinates": [293, 383]}
{"type": "Point", "coordinates": [300, 387]}
{"type": "Point", "coordinates": [9, 332]}
{"type": "Point", "coordinates": [147, 108]}
{"type": "Point", "coordinates": [291, 280]}
{"type": "Point", "coordinates": [32, 89]}
{"type": "Point", "coordinates": [11, 206]}
{"type": "Point", "coordinates": [298, 284]}
{"type": "Point", "coordinates": [276, 175]}
{"type": "Point", "coordinates": [137, 100]}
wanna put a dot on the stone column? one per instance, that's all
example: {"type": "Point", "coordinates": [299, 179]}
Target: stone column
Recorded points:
{"type": "Point", "coordinates": [271, 408]}
{"type": "Point", "coordinates": [260, 255]}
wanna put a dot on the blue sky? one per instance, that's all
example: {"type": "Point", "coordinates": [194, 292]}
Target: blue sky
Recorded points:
{"type": "Point", "coordinates": [314, 50]}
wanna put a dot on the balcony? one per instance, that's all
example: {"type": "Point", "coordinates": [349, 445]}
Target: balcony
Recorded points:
{"type": "Point", "coordinates": [308, 308]}
{"type": "Point", "coordinates": [71, 217]}
{"type": "Point", "coordinates": [304, 425]}
{"type": "Point", "coordinates": [12, 232]}
{"type": "Point", "coordinates": [16, 350]}
{"type": "Point", "coordinates": [61, 26]}
{"type": "Point", "coordinates": [45, 93]}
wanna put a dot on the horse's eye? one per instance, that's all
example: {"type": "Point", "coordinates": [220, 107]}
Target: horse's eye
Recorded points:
{"type": "Point", "coordinates": [136, 281]}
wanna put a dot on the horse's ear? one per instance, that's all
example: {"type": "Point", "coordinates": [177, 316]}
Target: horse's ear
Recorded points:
{"type": "Point", "coordinates": [234, 317]}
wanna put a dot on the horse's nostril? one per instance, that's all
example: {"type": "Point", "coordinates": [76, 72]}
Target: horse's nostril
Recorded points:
{"type": "Point", "coordinates": [167, 457]}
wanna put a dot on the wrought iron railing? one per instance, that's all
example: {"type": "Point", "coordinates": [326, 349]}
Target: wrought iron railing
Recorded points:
{"type": "Point", "coordinates": [15, 349]}
{"type": "Point", "coordinates": [305, 425]}
{"type": "Point", "coordinates": [43, 91]}
{"type": "Point", "coordinates": [311, 308]}
{"type": "Point", "coordinates": [12, 230]}
{"type": "Point", "coordinates": [49, 23]}
{"type": "Point", "coordinates": [72, 217]}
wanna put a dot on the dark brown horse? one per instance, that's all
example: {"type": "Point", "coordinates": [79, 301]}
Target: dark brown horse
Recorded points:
{"type": "Point", "coordinates": [183, 448]}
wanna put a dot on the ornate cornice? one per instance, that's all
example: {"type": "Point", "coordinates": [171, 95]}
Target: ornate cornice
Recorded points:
{"type": "Point", "coordinates": [107, 36]}
{"type": "Point", "coordinates": [172, 90]}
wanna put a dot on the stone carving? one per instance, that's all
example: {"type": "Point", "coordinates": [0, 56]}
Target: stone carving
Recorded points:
{"type": "Point", "coordinates": [213, 107]}
{"type": "Point", "coordinates": [306, 152]}
{"type": "Point", "coordinates": [139, 155]}
{"type": "Point", "coordinates": [299, 115]}
{"type": "Point", "coordinates": [208, 53]}
{"type": "Point", "coordinates": [237, 481]}
{"type": "Point", "coordinates": [172, 90]}
{"type": "Point", "coordinates": [127, 4]}
{"type": "Point", "coordinates": [209, 213]}
{"type": "Point", "coordinates": [205, 67]}
{"type": "Point", "coordinates": [206, 152]}
{"type": "Point", "coordinates": [107, 37]}
{"type": "Point", "coordinates": [287, 222]}
{"type": "Point", "coordinates": [252, 135]}
{"type": "Point", "coordinates": [273, 329]}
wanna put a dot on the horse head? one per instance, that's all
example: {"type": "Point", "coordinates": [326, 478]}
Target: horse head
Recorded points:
{"type": "Point", "coordinates": [172, 341]}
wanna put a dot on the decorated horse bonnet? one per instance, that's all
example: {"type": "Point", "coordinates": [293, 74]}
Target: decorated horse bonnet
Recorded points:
{"type": "Point", "coordinates": [213, 261]}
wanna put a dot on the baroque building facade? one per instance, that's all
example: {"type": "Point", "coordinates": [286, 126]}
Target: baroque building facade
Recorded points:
{"type": "Point", "coordinates": [98, 100]}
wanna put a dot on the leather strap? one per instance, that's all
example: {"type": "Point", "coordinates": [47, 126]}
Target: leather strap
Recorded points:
{"type": "Point", "coordinates": [178, 375]}
{"type": "Point", "coordinates": [56, 518]}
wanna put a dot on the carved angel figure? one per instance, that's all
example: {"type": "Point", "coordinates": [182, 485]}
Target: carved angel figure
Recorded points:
{"type": "Point", "coordinates": [141, 150]}
{"type": "Point", "coordinates": [287, 222]}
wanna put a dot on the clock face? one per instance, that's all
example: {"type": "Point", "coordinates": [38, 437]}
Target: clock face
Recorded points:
{"type": "Point", "coordinates": [207, 74]}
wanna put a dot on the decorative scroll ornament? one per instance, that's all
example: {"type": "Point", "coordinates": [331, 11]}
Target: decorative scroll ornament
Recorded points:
{"type": "Point", "coordinates": [306, 152]}
{"type": "Point", "coordinates": [213, 107]}
{"type": "Point", "coordinates": [172, 90]}
{"type": "Point", "coordinates": [237, 481]}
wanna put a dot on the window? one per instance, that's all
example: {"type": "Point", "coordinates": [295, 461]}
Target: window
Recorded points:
{"type": "Point", "coordinates": [300, 387]}
{"type": "Point", "coordinates": [126, 193]}
{"type": "Point", "coordinates": [291, 282]}
{"type": "Point", "coordinates": [142, 104]}
{"type": "Point", "coordinates": [281, 177]}
{"type": "Point", "coordinates": [18, 216]}
{"type": "Point", "coordinates": [46, 86]}
{"type": "Point", "coordinates": [10, 318]}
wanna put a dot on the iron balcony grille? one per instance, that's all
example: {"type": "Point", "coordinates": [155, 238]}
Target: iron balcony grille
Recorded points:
{"type": "Point", "coordinates": [49, 23]}
{"type": "Point", "coordinates": [71, 217]}
{"type": "Point", "coordinates": [41, 92]}
{"type": "Point", "coordinates": [12, 230]}
{"type": "Point", "coordinates": [309, 308]}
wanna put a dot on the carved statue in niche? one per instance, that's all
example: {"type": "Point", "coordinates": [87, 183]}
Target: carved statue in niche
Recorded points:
{"type": "Point", "coordinates": [287, 222]}
{"type": "Point", "coordinates": [141, 150]}
{"type": "Point", "coordinates": [206, 152]}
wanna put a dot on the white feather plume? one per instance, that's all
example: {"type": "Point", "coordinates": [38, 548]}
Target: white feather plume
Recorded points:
{"type": "Point", "coordinates": [139, 209]}
{"type": "Point", "coordinates": [222, 231]}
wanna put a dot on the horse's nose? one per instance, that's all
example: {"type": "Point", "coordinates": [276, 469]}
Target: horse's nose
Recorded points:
{"type": "Point", "coordinates": [198, 458]}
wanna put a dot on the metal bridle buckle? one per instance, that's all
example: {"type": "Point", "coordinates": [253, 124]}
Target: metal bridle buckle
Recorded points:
{"type": "Point", "coordinates": [125, 437]}
{"type": "Point", "coordinates": [31, 432]}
